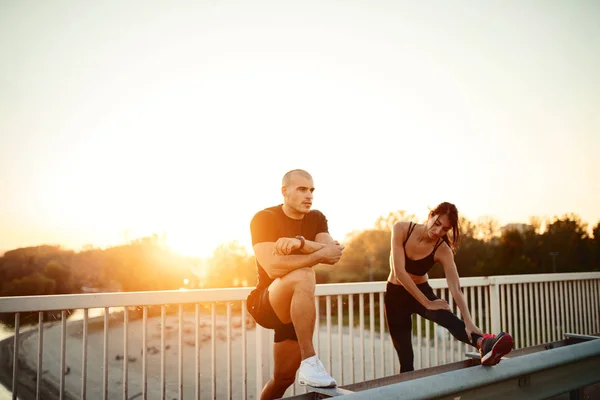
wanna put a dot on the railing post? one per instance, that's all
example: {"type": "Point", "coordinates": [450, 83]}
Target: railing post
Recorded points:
{"type": "Point", "coordinates": [494, 305]}
{"type": "Point", "coordinates": [262, 359]}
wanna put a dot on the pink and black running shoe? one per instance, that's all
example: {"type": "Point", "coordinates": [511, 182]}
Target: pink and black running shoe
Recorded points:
{"type": "Point", "coordinates": [494, 347]}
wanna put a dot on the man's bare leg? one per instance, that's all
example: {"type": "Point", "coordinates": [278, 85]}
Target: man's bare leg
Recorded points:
{"type": "Point", "coordinates": [286, 356]}
{"type": "Point", "coordinates": [293, 300]}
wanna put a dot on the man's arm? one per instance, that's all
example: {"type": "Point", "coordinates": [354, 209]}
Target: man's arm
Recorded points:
{"type": "Point", "coordinates": [285, 246]}
{"type": "Point", "coordinates": [278, 262]}
{"type": "Point", "coordinates": [277, 265]}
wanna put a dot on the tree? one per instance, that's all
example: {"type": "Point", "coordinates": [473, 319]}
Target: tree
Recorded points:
{"type": "Point", "coordinates": [486, 229]}
{"type": "Point", "coordinates": [365, 257]}
{"type": "Point", "coordinates": [35, 284]}
{"type": "Point", "coordinates": [566, 235]}
{"type": "Point", "coordinates": [25, 261]}
{"type": "Point", "coordinates": [595, 244]}
{"type": "Point", "coordinates": [61, 275]}
{"type": "Point", "coordinates": [144, 264]}
{"type": "Point", "coordinates": [231, 265]}
{"type": "Point", "coordinates": [385, 223]}
{"type": "Point", "coordinates": [512, 255]}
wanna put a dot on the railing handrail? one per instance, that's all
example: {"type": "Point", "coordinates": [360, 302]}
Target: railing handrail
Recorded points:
{"type": "Point", "coordinates": [331, 289]}
{"type": "Point", "coordinates": [534, 278]}
{"type": "Point", "coordinates": [120, 299]}
{"type": "Point", "coordinates": [188, 296]}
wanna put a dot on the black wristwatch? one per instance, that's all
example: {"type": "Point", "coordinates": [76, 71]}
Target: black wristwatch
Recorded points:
{"type": "Point", "coordinates": [302, 241]}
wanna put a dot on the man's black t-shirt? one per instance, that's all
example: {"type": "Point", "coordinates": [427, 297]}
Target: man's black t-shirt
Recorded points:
{"type": "Point", "coordinates": [270, 224]}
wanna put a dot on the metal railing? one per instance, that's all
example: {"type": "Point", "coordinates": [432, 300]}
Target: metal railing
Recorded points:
{"type": "Point", "coordinates": [538, 372]}
{"type": "Point", "coordinates": [199, 343]}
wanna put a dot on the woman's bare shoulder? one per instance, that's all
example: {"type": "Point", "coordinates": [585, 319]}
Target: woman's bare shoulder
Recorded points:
{"type": "Point", "coordinates": [400, 229]}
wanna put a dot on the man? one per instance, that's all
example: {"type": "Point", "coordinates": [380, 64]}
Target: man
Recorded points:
{"type": "Point", "coordinates": [288, 240]}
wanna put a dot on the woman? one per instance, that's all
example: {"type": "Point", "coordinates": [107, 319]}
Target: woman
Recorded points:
{"type": "Point", "coordinates": [415, 249]}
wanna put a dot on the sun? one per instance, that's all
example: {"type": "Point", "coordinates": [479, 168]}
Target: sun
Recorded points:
{"type": "Point", "coordinates": [188, 243]}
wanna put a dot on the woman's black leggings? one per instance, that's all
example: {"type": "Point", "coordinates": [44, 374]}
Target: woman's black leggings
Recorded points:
{"type": "Point", "coordinates": [399, 307]}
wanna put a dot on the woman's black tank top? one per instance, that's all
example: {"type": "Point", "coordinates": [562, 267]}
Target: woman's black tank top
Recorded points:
{"type": "Point", "coordinates": [422, 266]}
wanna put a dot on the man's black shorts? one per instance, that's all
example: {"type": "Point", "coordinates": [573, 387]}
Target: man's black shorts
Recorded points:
{"type": "Point", "coordinates": [260, 308]}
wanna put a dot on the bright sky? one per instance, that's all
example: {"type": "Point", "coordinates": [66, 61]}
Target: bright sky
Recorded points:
{"type": "Point", "coordinates": [181, 117]}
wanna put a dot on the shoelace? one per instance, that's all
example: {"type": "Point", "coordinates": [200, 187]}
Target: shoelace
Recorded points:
{"type": "Point", "coordinates": [489, 336]}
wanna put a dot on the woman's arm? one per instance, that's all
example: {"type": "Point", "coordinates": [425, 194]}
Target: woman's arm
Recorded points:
{"type": "Point", "coordinates": [397, 259]}
{"type": "Point", "coordinates": [446, 258]}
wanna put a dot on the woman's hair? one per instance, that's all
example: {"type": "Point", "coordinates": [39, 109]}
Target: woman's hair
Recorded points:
{"type": "Point", "coordinates": [450, 210]}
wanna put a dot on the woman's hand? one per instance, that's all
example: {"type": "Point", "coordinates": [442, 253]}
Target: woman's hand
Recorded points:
{"type": "Point", "coordinates": [472, 328]}
{"type": "Point", "coordinates": [438, 304]}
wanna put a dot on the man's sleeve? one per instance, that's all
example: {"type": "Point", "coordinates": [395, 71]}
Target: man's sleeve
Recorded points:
{"type": "Point", "coordinates": [322, 226]}
{"type": "Point", "coordinates": [263, 228]}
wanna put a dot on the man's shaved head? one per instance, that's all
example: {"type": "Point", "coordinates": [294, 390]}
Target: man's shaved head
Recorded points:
{"type": "Point", "coordinates": [287, 178]}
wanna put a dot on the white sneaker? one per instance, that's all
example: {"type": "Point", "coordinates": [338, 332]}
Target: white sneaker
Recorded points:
{"type": "Point", "coordinates": [312, 373]}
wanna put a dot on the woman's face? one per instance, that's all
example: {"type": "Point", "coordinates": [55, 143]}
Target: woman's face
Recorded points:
{"type": "Point", "coordinates": [438, 226]}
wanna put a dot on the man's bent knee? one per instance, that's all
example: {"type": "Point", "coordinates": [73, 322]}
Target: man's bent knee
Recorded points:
{"type": "Point", "coordinates": [282, 291]}
{"type": "Point", "coordinates": [301, 276]}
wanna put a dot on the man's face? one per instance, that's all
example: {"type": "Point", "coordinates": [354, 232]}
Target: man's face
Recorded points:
{"type": "Point", "coordinates": [298, 195]}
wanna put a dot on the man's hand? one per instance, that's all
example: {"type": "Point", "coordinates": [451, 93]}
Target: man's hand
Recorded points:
{"type": "Point", "coordinates": [284, 246]}
{"type": "Point", "coordinates": [331, 253]}
{"type": "Point", "coordinates": [438, 304]}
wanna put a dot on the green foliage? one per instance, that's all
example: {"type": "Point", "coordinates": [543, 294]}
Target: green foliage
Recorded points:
{"type": "Point", "coordinates": [365, 258]}
{"type": "Point", "coordinates": [230, 266]}
{"type": "Point", "coordinates": [35, 284]}
{"type": "Point", "coordinates": [60, 274]}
